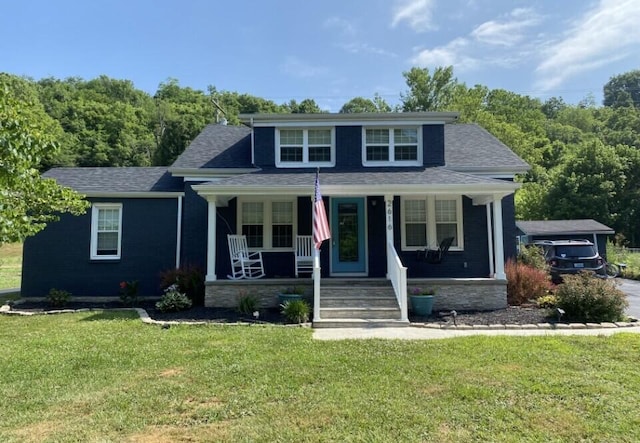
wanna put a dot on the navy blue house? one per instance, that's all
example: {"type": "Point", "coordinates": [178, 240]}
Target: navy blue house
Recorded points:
{"type": "Point", "coordinates": [393, 185]}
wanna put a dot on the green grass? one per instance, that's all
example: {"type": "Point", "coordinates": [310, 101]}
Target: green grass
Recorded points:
{"type": "Point", "coordinates": [101, 376]}
{"type": "Point", "coordinates": [616, 254]}
{"type": "Point", "coordinates": [10, 265]}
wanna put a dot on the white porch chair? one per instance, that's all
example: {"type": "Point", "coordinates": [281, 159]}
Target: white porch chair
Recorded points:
{"type": "Point", "coordinates": [244, 264]}
{"type": "Point", "coordinates": [304, 254]}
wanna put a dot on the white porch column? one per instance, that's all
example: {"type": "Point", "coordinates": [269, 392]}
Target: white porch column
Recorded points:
{"type": "Point", "coordinates": [498, 237]}
{"type": "Point", "coordinates": [211, 241]}
{"type": "Point", "coordinates": [490, 240]}
{"type": "Point", "coordinates": [388, 210]}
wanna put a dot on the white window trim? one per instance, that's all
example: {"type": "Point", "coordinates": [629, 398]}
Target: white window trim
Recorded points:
{"type": "Point", "coordinates": [391, 161]}
{"type": "Point", "coordinates": [95, 209]}
{"type": "Point", "coordinates": [432, 241]}
{"type": "Point", "coordinates": [305, 150]}
{"type": "Point", "coordinates": [267, 221]}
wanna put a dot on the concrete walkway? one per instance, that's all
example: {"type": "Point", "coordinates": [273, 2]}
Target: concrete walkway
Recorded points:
{"type": "Point", "coordinates": [417, 333]}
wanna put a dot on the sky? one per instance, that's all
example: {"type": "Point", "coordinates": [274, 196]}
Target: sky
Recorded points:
{"type": "Point", "coordinates": [329, 50]}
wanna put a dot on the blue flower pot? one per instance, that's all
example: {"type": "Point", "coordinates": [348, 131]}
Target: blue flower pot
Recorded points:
{"type": "Point", "coordinates": [421, 305]}
{"type": "Point", "coordinates": [283, 298]}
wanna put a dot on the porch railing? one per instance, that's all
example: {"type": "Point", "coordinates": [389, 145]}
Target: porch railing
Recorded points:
{"type": "Point", "coordinates": [398, 276]}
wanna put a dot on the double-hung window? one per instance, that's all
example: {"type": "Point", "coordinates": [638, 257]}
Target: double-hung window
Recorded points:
{"type": "Point", "coordinates": [305, 147]}
{"type": "Point", "coordinates": [429, 220]}
{"type": "Point", "coordinates": [267, 224]}
{"type": "Point", "coordinates": [392, 146]}
{"type": "Point", "coordinates": [106, 231]}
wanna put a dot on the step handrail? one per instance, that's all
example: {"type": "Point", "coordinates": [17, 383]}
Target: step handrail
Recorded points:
{"type": "Point", "coordinates": [397, 274]}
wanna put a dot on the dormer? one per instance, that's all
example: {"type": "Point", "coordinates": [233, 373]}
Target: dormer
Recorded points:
{"type": "Point", "coordinates": [348, 141]}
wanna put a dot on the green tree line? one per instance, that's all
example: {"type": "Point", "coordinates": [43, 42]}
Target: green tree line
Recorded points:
{"type": "Point", "coordinates": [584, 158]}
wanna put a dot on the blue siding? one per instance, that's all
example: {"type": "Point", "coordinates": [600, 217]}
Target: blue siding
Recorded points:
{"type": "Point", "coordinates": [377, 236]}
{"type": "Point", "coordinates": [194, 228]}
{"type": "Point", "coordinates": [433, 145]}
{"type": "Point", "coordinates": [58, 257]}
{"type": "Point", "coordinates": [472, 262]}
{"type": "Point", "coordinates": [264, 147]}
{"type": "Point", "coordinates": [349, 147]}
{"type": "Point", "coordinates": [509, 227]}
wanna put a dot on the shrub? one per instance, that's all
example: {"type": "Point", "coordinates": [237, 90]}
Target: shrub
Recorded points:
{"type": "Point", "coordinates": [549, 301]}
{"type": "Point", "coordinates": [590, 299]}
{"type": "Point", "coordinates": [58, 297]}
{"type": "Point", "coordinates": [173, 300]}
{"type": "Point", "coordinates": [296, 311]}
{"type": "Point", "coordinates": [525, 283]}
{"type": "Point", "coordinates": [533, 256]}
{"type": "Point", "coordinates": [247, 304]}
{"type": "Point", "coordinates": [129, 292]}
{"type": "Point", "coordinates": [190, 281]}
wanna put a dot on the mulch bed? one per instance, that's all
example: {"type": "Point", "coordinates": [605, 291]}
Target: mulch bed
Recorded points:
{"type": "Point", "coordinates": [511, 315]}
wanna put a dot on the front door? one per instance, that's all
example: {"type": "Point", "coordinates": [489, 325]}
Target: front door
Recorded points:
{"type": "Point", "coordinates": [348, 252]}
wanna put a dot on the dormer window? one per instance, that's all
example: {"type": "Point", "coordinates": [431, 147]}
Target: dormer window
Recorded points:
{"type": "Point", "coordinates": [297, 148]}
{"type": "Point", "coordinates": [392, 146]}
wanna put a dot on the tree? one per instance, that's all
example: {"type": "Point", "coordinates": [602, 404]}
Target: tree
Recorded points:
{"type": "Point", "coordinates": [361, 104]}
{"type": "Point", "coordinates": [428, 92]}
{"type": "Point", "coordinates": [306, 106]}
{"type": "Point", "coordinates": [623, 90]}
{"type": "Point", "coordinates": [27, 201]}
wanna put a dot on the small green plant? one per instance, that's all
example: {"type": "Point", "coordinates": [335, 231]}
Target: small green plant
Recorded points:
{"type": "Point", "coordinates": [190, 281]}
{"type": "Point", "coordinates": [293, 290]}
{"type": "Point", "coordinates": [525, 283]}
{"type": "Point", "coordinates": [296, 311]}
{"type": "Point", "coordinates": [590, 299]}
{"type": "Point", "coordinates": [549, 301]}
{"type": "Point", "coordinates": [129, 292]}
{"type": "Point", "coordinates": [173, 300]}
{"type": "Point", "coordinates": [247, 304]}
{"type": "Point", "coordinates": [532, 255]}
{"type": "Point", "coordinates": [422, 291]}
{"type": "Point", "coordinates": [58, 297]}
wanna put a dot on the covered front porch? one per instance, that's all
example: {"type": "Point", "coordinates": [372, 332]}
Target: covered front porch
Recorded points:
{"type": "Point", "coordinates": [381, 224]}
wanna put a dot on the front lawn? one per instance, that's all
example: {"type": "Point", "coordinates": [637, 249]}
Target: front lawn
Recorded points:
{"type": "Point", "coordinates": [105, 376]}
{"type": "Point", "coordinates": [10, 265]}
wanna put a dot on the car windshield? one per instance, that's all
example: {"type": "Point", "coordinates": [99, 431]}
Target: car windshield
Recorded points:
{"type": "Point", "coordinates": [575, 251]}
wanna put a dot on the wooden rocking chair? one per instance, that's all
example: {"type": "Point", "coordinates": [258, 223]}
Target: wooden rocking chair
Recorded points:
{"type": "Point", "coordinates": [244, 264]}
{"type": "Point", "coordinates": [304, 254]}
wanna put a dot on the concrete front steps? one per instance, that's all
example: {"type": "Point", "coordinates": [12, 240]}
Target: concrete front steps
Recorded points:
{"type": "Point", "coordinates": [358, 303]}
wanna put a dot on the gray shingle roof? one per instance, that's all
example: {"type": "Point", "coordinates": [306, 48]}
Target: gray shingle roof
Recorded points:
{"type": "Point", "coordinates": [369, 176]}
{"type": "Point", "coordinates": [471, 146]}
{"type": "Point", "coordinates": [218, 146]}
{"type": "Point", "coordinates": [563, 227]}
{"type": "Point", "coordinates": [467, 146]}
{"type": "Point", "coordinates": [96, 180]}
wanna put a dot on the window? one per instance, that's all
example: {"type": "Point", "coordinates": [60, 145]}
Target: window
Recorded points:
{"type": "Point", "coordinates": [267, 224]}
{"type": "Point", "coordinates": [392, 146]}
{"type": "Point", "coordinates": [106, 231]}
{"type": "Point", "coordinates": [428, 221]}
{"type": "Point", "coordinates": [304, 147]}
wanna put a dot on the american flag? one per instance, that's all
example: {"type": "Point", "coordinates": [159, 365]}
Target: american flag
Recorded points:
{"type": "Point", "coordinates": [321, 230]}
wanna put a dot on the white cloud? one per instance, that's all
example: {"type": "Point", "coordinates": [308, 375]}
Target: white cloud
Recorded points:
{"type": "Point", "coordinates": [359, 48]}
{"type": "Point", "coordinates": [295, 67]}
{"type": "Point", "coordinates": [417, 13]}
{"type": "Point", "coordinates": [344, 26]}
{"type": "Point", "coordinates": [453, 53]}
{"type": "Point", "coordinates": [606, 33]}
{"type": "Point", "coordinates": [507, 32]}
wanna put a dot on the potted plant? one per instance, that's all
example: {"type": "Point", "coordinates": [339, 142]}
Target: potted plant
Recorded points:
{"type": "Point", "coordinates": [290, 294]}
{"type": "Point", "coordinates": [421, 301]}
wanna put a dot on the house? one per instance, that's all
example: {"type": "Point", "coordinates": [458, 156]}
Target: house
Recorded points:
{"type": "Point", "coordinates": [588, 229]}
{"type": "Point", "coordinates": [393, 185]}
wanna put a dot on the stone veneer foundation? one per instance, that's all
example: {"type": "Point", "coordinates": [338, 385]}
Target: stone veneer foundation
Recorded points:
{"type": "Point", "coordinates": [461, 294]}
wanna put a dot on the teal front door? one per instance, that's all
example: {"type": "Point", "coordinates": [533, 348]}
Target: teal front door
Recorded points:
{"type": "Point", "coordinates": [348, 252]}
